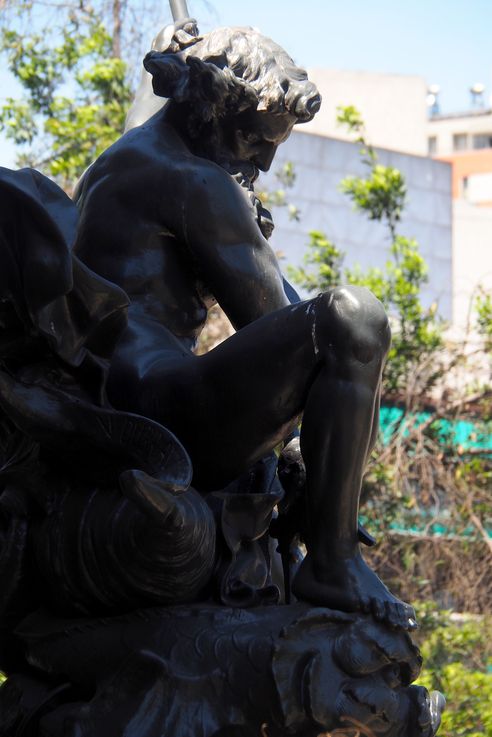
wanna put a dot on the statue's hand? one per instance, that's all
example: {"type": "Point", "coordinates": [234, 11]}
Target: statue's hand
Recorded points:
{"type": "Point", "coordinates": [182, 33]}
{"type": "Point", "coordinates": [189, 25]}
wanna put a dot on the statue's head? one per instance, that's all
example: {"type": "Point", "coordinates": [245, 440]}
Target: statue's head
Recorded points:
{"type": "Point", "coordinates": [239, 81]}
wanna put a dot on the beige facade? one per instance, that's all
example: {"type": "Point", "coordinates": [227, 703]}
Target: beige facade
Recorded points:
{"type": "Point", "coordinates": [396, 116]}
{"type": "Point", "coordinates": [471, 131]}
{"type": "Point", "coordinates": [393, 107]}
{"type": "Point", "coordinates": [472, 257]}
{"type": "Point", "coordinates": [465, 141]}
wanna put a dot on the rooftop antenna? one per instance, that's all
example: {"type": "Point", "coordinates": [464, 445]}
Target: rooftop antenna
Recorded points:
{"type": "Point", "coordinates": [433, 100]}
{"type": "Point", "coordinates": [477, 98]}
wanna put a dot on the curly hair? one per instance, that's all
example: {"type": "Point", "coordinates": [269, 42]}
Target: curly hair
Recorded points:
{"type": "Point", "coordinates": [231, 69]}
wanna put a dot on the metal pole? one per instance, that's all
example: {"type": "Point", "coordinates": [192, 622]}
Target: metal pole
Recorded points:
{"type": "Point", "coordinates": [179, 10]}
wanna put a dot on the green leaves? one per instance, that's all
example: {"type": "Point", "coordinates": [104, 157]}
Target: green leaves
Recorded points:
{"type": "Point", "coordinates": [483, 307]}
{"type": "Point", "coordinates": [34, 65]}
{"type": "Point", "coordinates": [279, 197]}
{"type": "Point", "coordinates": [457, 662]}
{"type": "Point", "coordinates": [18, 122]}
{"type": "Point", "coordinates": [75, 96]}
{"type": "Point", "coordinates": [350, 118]}
{"type": "Point", "coordinates": [326, 259]}
{"type": "Point", "coordinates": [380, 195]}
{"type": "Point", "coordinates": [416, 331]}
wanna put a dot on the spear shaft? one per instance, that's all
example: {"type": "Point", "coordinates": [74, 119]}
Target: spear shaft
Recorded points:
{"type": "Point", "coordinates": [179, 10]}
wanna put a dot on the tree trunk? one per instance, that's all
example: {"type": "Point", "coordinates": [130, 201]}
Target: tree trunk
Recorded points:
{"type": "Point", "coordinates": [117, 24]}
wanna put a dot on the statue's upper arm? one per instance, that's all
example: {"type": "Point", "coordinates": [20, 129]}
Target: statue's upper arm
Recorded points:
{"type": "Point", "coordinates": [214, 218]}
{"type": "Point", "coordinates": [217, 212]}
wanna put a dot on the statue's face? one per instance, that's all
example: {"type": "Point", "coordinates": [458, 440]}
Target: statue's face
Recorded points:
{"type": "Point", "coordinates": [254, 136]}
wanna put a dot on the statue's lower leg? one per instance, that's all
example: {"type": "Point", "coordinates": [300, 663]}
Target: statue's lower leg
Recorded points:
{"type": "Point", "coordinates": [352, 336]}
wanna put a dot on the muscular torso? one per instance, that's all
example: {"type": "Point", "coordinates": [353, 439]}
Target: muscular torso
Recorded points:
{"type": "Point", "coordinates": [176, 232]}
{"type": "Point", "coordinates": [126, 231]}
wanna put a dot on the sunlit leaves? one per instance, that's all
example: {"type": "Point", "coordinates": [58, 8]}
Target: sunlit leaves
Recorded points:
{"type": "Point", "coordinates": [75, 96]}
{"type": "Point", "coordinates": [321, 267]}
{"type": "Point", "coordinates": [458, 662]}
{"type": "Point", "coordinates": [380, 195]}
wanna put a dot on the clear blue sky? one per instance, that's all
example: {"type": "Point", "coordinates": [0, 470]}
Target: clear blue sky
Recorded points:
{"type": "Point", "coordinates": [448, 42]}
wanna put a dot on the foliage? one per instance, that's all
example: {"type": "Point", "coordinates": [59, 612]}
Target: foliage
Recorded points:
{"type": "Point", "coordinates": [416, 331]}
{"type": "Point", "coordinates": [427, 496]}
{"type": "Point", "coordinates": [322, 263]}
{"type": "Point", "coordinates": [286, 177]}
{"type": "Point", "coordinates": [75, 96]}
{"type": "Point", "coordinates": [131, 24]}
{"type": "Point", "coordinates": [458, 662]}
{"type": "Point", "coordinates": [483, 307]}
{"type": "Point", "coordinates": [380, 195]}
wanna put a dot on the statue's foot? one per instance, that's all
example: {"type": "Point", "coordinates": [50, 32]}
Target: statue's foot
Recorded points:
{"type": "Point", "coordinates": [351, 586]}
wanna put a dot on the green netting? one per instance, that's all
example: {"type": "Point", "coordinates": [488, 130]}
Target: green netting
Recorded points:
{"type": "Point", "coordinates": [461, 433]}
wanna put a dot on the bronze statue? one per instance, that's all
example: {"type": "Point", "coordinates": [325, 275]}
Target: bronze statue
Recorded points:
{"type": "Point", "coordinates": [139, 480]}
{"type": "Point", "coordinates": [194, 238]}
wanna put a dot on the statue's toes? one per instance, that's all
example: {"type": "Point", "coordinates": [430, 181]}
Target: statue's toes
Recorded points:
{"type": "Point", "coordinates": [407, 616]}
{"type": "Point", "coordinates": [400, 615]}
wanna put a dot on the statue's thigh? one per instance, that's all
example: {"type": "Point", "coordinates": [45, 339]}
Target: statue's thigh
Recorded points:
{"type": "Point", "coordinates": [234, 404]}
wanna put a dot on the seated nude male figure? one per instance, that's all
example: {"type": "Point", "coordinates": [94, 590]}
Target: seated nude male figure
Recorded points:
{"type": "Point", "coordinates": [163, 217]}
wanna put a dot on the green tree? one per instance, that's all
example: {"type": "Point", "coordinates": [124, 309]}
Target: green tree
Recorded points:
{"type": "Point", "coordinates": [286, 177]}
{"type": "Point", "coordinates": [483, 307]}
{"type": "Point", "coordinates": [131, 24]}
{"type": "Point", "coordinates": [75, 96]}
{"type": "Point", "coordinates": [458, 662]}
{"type": "Point", "coordinates": [420, 483]}
{"type": "Point", "coordinates": [380, 195]}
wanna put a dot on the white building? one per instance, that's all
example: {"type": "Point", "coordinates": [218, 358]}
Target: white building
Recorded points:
{"type": "Point", "coordinates": [467, 131]}
{"type": "Point", "coordinates": [320, 163]}
{"type": "Point", "coordinates": [449, 207]}
{"type": "Point", "coordinates": [393, 107]}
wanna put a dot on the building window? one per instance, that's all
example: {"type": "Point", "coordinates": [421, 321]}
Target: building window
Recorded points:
{"type": "Point", "coordinates": [460, 141]}
{"type": "Point", "coordinates": [482, 140]}
{"type": "Point", "coordinates": [432, 145]}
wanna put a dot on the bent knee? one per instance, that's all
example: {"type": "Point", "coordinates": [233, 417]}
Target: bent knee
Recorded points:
{"type": "Point", "coordinates": [353, 320]}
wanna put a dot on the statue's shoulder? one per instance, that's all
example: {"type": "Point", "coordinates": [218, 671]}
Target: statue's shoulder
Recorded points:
{"type": "Point", "coordinates": [154, 151]}
{"type": "Point", "coordinates": [153, 159]}
{"type": "Point", "coordinates": [127, 155]}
